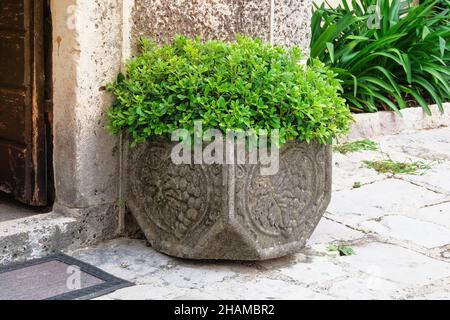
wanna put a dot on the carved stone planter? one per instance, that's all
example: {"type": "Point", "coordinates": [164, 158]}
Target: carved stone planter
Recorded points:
{"type": "Point", "coordinates": [228, 211]}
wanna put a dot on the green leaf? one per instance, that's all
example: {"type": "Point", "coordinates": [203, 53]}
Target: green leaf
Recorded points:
{"type": "Point", "coordinates": [330, 48]}
{"type": "Point", "coordinates": [425, 32]}
{"type": "Point", "coordinates": [342, 250]}
{"type": "Point", "coordinates": [407, 67]}
{"type": "Point", "coordinates": [419, 99]}
{"type": "Point", "coordinates": [442, 45]}
{"type": "Point", "coordinates": [221, 102]}
{"type": "Point", "coordinates": [429, 87]}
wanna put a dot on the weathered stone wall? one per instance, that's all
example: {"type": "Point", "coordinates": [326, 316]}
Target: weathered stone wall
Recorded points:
{"type": "Point", "coordinates": [292, 21]}
{"type": "Point", "coordinates": [332, 3]}
{"type": "Point", "coordinates": [87, 54]}
{"type": "Point", "coordinates": [281, 21]}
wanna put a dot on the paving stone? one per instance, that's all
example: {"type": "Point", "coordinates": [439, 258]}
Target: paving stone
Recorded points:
{"type": "Point", "coordinates": [369, 287]}
{"type": "Point", "coordinates": [126, 258]}
{"type": "Point", "coordinates": [241, 288]}
{"type": "Point", "coordinates": [148, 292]}
{"type": "Point", "coordinates": [443, 294]}
{"type": "Point", "coordinates": [438, 214]}
{"type": "Point", "coordinates": [315, 270]}
{"type": "Point", "coordinates": [437, 152]}
{"type": "Point", "coordinates": [378, 199]}
{"type": "Point", "coordinates": [398, 155]}
{"type": "Point", "coordinates": [441, 135]}
{"type": "Point", "coordinates": [425, 234]}
{"type": "Point", "coordinates": [196, 295]}
{"type": "Point", "coordinates": [445, 252]}
{"type": "Point", "coordinates": [376, 271]}
{"type": "Point", "coordinates": [346, 180]}
{"type": "Point", "coordinates": [349, 168]}
{"type": "Point", "coordinates": [196, 276]}
{"type": "Point", "coordinates": [436, 179]}
{"type": "Point", "coordinates": [425, 137]}
{"type": "Point", "coordinates": [428, 144]}
{"type": "Point", "coordinates": [329, 231]}
{"type": "Point", "coordinates": [249, 288]}
{"type": "Point", "coordinates": [397, 264]}
{"type": "Point", "coordinates": [104, 298]}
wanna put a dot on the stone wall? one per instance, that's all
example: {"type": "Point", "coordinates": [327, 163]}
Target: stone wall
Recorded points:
{"type": "Point", "coordinates": [87, 54]}
{"type": "Point", "coordinates": [284, 22]}
{"type": "Point", "coordinates": [332, 3]}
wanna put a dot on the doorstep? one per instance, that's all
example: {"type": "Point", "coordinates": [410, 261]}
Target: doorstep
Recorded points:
{"type": "Point", "coordinates": [33, 237]}
{"type": "Point", "coordinates": [58, 231]}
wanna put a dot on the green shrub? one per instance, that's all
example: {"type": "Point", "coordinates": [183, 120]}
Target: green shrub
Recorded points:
{"type": "Point", "coordinates": [244, 85]}
{"type": "Point", "coordinates": [402, 61]}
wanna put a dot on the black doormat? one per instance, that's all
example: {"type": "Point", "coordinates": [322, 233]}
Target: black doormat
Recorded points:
{"type": "Point", "coordinates": [57, 277]}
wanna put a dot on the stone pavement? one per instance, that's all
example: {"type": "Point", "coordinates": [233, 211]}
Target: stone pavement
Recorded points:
{"type": "Point", "coordinates": [398, 226]}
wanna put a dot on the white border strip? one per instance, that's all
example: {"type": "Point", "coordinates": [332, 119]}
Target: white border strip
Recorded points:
{"type": "Point", "coordinates": [369, 125]}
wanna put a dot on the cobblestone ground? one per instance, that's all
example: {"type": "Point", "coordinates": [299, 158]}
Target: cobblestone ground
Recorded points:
{"type": "Point", "coordinates": [397, 225]}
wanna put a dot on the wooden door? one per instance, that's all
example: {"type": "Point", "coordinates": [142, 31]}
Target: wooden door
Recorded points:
{"type": "Point", "coordinates": [23, 164]}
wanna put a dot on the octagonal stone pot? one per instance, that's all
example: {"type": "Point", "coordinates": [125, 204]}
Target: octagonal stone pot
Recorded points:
{"type": "Point", "coordinates": [228, 212]}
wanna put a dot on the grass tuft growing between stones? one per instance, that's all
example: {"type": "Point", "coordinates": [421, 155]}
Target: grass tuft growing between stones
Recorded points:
{"type": "Point", "coordinates": [389, 166]}
{"type": "Point", "coordinates": [357, 185]}
{"type": "Point", "coordinates": [355, 146]}
{"type": "Point", "coordinates": [342, 250]}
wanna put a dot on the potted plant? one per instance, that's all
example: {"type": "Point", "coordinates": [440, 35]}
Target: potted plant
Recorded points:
{"type": "Point", "coordinates": [230, 153]}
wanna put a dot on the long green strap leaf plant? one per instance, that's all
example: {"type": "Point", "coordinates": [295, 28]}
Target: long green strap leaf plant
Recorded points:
{"type": "Point", "coordinates": [389, 54]}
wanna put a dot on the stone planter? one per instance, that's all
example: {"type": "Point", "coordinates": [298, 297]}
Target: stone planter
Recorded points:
{"type": "Point", "coordinates": [228, 211]}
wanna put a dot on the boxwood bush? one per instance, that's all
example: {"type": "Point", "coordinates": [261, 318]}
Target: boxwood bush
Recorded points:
{"type": "Point", "coordinates": [241, 85]}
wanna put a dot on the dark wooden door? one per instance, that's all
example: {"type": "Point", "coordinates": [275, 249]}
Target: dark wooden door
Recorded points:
{"type": "Point", "coordinates": [23, 165]}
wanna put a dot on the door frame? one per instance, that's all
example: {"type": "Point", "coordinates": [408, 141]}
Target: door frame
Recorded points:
{"type": "Point", "coordinates": [42, 108]}
{"type": "Point", "coordinates": [48, 100]}
{"type": "Point", "coordinates": [38, 136]}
